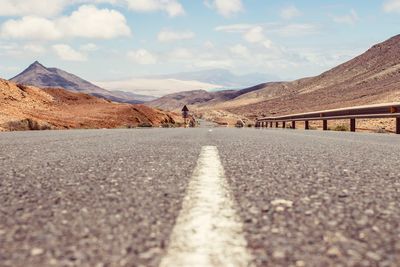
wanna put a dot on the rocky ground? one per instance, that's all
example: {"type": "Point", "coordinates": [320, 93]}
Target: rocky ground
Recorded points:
{"type": "Point", "coordinates": [32, 108]}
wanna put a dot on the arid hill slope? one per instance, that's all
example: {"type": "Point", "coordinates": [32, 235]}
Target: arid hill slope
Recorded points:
{"type": "Point", "coordinates": [28, 107]}
{"type": "Point", "coordinates": [373, 77]}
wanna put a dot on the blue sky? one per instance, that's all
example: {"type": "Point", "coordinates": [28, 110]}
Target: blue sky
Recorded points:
{"type": "Point", "coordinates": [114, 39]}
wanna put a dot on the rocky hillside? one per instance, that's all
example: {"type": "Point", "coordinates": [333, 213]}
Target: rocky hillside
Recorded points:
{"type": "Point", "coordinates": [40, 76]}
{"type": "Point", "coordinates": [373, 77]}
{"type": "Point", "coordinates": [31, 108]}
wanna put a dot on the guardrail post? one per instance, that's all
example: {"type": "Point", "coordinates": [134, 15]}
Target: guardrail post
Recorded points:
{"type": "Point", "coordinates": [276, 124]}
{"type": "Point", "coordinates": [325, 125]}
{"type": "Point", "coordinates": [284, 124]}
{"type": "Point", "coordinates": [353, 125]}
{"type": "Point", "coordinates": [398, 125]}
{"type": "Point", "coordinates": [307, 125]}
{"type": "Point", "coordinates": [270, 124]}
{"type": "Point", "coordinates": [293, 124]}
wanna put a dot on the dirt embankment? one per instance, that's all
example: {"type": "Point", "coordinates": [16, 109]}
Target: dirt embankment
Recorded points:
{"type": "Point", "coordinates": [32, 108]}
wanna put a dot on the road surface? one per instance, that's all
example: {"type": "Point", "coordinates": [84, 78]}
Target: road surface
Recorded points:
{"type": "Point", "coordinates": [199, 197]}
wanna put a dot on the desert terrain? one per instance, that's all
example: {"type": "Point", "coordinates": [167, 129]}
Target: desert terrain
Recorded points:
{"type": "Point", "coordinates": [31, 108]}
{"type": "Point", "coordinates": [371, 78]}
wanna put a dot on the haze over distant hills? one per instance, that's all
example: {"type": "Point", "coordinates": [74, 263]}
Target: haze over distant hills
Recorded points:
{"type": "Point", "coordinates": [40, 76]}
{"type": "Point", "coordinates": [156, 87]}
{"type": "Point", "coordinates": [209, 80]}
{"type": "Point", "coordinates": [222, 77]}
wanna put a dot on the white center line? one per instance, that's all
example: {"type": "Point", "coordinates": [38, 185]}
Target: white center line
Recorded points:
{"type": "Point", "coordinates": [208, 232]}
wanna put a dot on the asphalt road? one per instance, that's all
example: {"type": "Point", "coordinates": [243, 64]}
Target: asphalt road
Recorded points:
{"type": "Point", "coordinates": [112, 197]}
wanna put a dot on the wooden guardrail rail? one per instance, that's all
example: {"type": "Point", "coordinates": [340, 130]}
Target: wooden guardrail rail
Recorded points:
{"type": "Point", "coordinates": [390, 110]}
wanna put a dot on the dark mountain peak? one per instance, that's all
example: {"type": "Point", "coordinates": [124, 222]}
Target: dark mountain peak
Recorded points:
{"type": "Point", "coordinates": [35, 68]}
{"type": "Point", "coordinates": [39, 75]}
{"type": "Point", "coordinates": [36, 64]}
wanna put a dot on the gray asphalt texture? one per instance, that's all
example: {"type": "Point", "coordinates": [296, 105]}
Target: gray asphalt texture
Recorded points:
{"type": "Point", "coordinates": [111, 197]}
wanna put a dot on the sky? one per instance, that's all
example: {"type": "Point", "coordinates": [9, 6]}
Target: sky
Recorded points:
{"type": "Point", "coordinates": [104, 40]}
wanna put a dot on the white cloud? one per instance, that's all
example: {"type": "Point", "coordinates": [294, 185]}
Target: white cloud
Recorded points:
{"type": "Point", "coordinates": [91, 22]}
{"type": "Point", "coordinates": [67, 53]}
{"type": "Point", "coordinates": [172, 7]}
{"type": "Point", "coordinates": [208, 45]}
{"type": "Point", "coordinates": [350, 19]}
{"type": "Point", "coordinates": [181, 54]}
{"type": "Point", "coordinates": [240, 50]}
{"type": "Point", "coordinates": [143, 57]}
{"type": "Point", "coordinates": [33, 28]}
{"type": "Point", "coordinates": [171, 36]}
{"type": "Point", "coordinates": [392, 6]}
{"type": "Point", "coordinates": [21, 50]}
{"type": "Point", "coordinates": [253, 34]}
{"type": "Point", "coordinates": [50, 8]}
{"type": "Point", "coordinates": [34, 48]}
{"type": "Point", "coordinates": [88, 22]}
{"type": "Point", "coordinates": [290, 12]}
{"type": "Point", "coordinates": [90, 47]}
{"type": "Point", "coordinates": [296, 30]}
{"type": "Point", "coordinates": [213, 63]}
{"type": "Point", "coordinates": [234, 28]}
{"type": "Point", "coordinates": [226, 8]}
{"type": "Point", "coordinates": [45, 8]}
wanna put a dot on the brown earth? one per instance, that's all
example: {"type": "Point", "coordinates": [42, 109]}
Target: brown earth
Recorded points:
{"type": "Point", "coordinates": [31, 108]}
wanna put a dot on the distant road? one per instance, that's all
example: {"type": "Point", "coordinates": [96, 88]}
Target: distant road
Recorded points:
{"type": "Point", "coordinates": [199, 197]}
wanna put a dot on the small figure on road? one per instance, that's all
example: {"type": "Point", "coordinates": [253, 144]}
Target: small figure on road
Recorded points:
{"type": "Point", "coordinates": [185, 115]}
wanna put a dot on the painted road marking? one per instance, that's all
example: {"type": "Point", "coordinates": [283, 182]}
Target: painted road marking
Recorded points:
{"type": "Point", "coordinates": [208, 231]}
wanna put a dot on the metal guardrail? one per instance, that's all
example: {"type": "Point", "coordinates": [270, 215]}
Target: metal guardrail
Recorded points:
{"type": "Point", "coordinates": [390, 110]}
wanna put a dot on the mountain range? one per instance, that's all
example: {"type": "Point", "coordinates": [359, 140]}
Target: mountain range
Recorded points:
{"type": "Point", "coordinates": [40, 76]}
{"type": "Point", "coordinates": [222, 77]}
{"type": "Point", "coordinates": [126, 91]}
{"type": "Point", "coordinates": [373, 77]}
{"type": "Point", "coordinates": [156, 87]}
{"type": "Point", "coordinates": [208, 80]}
{"type": "Point", "coordinates": [199, 97]}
